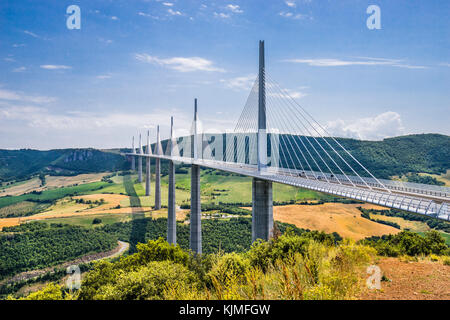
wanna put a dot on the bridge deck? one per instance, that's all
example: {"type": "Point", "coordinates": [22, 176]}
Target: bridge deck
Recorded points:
{"type": "Point", "coordinates": [415, 198]}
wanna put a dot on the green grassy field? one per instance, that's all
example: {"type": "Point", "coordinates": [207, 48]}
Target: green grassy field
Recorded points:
{"type": "Point", "coordinates": [12, 184]}
{"type": "Point", "coordinates": [214, 188]}
{"type": "Point", "coordinates": [86, 221]}
{"type": "Point", "coordinates": [54, 194]}
{"type": "Point", "coordinates": [22, 208]}
{"type": "Point", "coordinates": [445, 235]}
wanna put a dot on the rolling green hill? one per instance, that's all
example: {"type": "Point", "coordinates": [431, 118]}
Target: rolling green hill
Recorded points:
{"type": "Point", "coordinates": [429, 153]}
{"type": "Point", "coordinates": [418, 153]}
{"type": "Point", "coordinates": [24, 163]}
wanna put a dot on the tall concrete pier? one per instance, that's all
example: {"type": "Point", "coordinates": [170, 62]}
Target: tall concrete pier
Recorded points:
{"type": "Point", "coordinates": [148, 172]}
{"type": "Point", "coordinates": [262, 205]}
{"type": "Point", "coordinates": [133, 158]}
{"type": "Point", "coordinates": [171, 205]}
{"type": "Point", "coordinates": [196, 211]}
{"type": "Point", "coordinates": [262, 209]}
{"type": "Point", "coordinates": [140, 160]}
{"type": "Point", "coordinates": [262, 122]}
{"type": "Point", "coordinates": [157, 172]}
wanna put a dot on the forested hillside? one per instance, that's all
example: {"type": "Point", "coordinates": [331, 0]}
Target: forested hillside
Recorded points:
{"type": "Point", "coordinates": [427, 153]}
{"type": "Point", "coordinates": [38, 245]}
{"type": "Point", "coordinates": [24, 163]}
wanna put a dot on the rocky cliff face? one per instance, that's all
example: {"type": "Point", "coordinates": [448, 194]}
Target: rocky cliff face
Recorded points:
{"type": "Point", "coordinates": [78, 155]}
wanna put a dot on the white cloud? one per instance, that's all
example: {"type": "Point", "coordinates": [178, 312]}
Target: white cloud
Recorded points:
{"type": "Point", "coordinates": [38, 117]}
{"type": "Point", "coordinates": [221, 15]}
{"type": "Point", "coordinates": [106, 41]}
{"type": "Point", "coordinates": [55, 67]}
{"type": "Point", "coordinates": [174, 12]}
{"type": "Point", "coordinates": [9, 59]}
{"type": "Point", "coordinates": [234, 8]}
{"type": "Point", "coordinates": [182, 64]}
{"type": "Point", "coordinates": [34, 35]}
{"type": "Point", "coordinates": [296, 16]}
{"type": "Point", "coordinates": [19, 69]}
{"type": "Point", "coordinates": [286, 14]}
{"type": "Point", "coordinates": [240, 83]}
{"type": "Point", "coordinates": [143, 14]}
{"type": "Point", "coordinates": [167, 4]}
{"type": "Point", "coordinates": [387, 124]}
{"type": "Point", "coordinates": [19, 96]}
{"type": "Point", "coordinates": [364, 62]}
{"type": "Point", "coordinates": [104, 76]}
{"type": "Point", "coordinates": [114, 18]}
{"type": "Point", "coordinates": [290, 4]}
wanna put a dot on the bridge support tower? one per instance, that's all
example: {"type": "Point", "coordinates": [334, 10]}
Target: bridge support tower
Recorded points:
{"type": "Point", "coordinates": [196, 211]}
{"type": "Point", "coordinates": [262, 202]}
{"type": "Point", "coordinates": [262, 209]}
{"type": "Point", "coordinates": [133, 160]}
{"type": "Point", "coordinates": [140, 160]}
{"type": "Point", "coordinates": [157, 172]}
{"type": "Point", "coordinates": [148, 172]}
{"type": "Point", "coordinates": [171, 205]}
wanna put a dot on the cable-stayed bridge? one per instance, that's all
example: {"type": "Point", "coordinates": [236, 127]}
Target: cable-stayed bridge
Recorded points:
{"type": "Point", "coordinates": [277, 140]}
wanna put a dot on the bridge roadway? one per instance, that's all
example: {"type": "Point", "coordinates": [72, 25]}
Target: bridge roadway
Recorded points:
{"type": "Point", "coordinates": [411, 197]}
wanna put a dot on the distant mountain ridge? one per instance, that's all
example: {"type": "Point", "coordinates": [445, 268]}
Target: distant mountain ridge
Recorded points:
{"type": "Point", "coordinates": [429, 153]}
{"type": "Point", "coordinates": [23, 163]}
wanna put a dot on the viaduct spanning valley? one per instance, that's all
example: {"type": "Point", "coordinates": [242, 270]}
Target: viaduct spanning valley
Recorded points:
{"type": "Point", "coordinates": [276, 140]}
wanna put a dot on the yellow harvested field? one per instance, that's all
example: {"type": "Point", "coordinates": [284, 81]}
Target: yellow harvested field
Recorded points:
{"type": "Point", "coordinates": [17, 190]}
{"type": "Point", "coordinates": [52, 182]}
{"type": "Point", "coordinates": [63, 181]}
{"type": "Point", "coordinates": [66, 208]}
{"type": "Point", "coordinates": [444, 177]}
{"type": "Point", "coordinates": [9, 222]}
{"type": "Point", "coordinates": [416, 226]}
{"type": "Point", "coordinates": [344, 219]}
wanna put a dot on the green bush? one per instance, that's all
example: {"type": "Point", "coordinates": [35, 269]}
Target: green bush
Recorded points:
{"type": "Point", "coordinates": [147, 282]}
{"type": "Point", "coordinates": [409, 243]}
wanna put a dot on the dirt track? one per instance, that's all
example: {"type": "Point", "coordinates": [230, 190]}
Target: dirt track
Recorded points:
{"type": "Point", "coordinates": [117, 251]}
{"type": "Point", "coordinates": [423, 280]}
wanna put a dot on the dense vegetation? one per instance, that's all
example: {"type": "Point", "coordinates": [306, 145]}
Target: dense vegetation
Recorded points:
{"type": "Point", "coordinates": [24, 163]}
{"type": "Point", "coordinates": [38, 245]}
{"type": "Point", "coordinates": [230, 235]}
{"type": "Point", "coordinates": [289, 267]}
{"type": "Point", "coordinates": [424, 179]}
{"type": "Point", "coordinates": [429, 153]}
{"type": "Point", "coordinates": [366, 214]}
{"type": "Point", "coordinates": [22, 209]}
{"type": "Point", "coordinates": [227, 235]}
{"type": "Point", "coordinates": [409, 243]}
{"type": "Point", "coordinates": [433, 223]}
{"type": "Point", "coordinates": [56, 274]}
{"type": "Point", "coordinates": [294, 265]}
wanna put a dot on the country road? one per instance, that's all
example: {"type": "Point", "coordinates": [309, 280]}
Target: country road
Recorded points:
{"type": "Point", "coordinates": [121, 248]}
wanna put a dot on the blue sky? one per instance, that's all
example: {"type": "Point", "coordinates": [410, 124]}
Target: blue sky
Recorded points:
{"type": "Point", "coordinates": [133, 64]}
